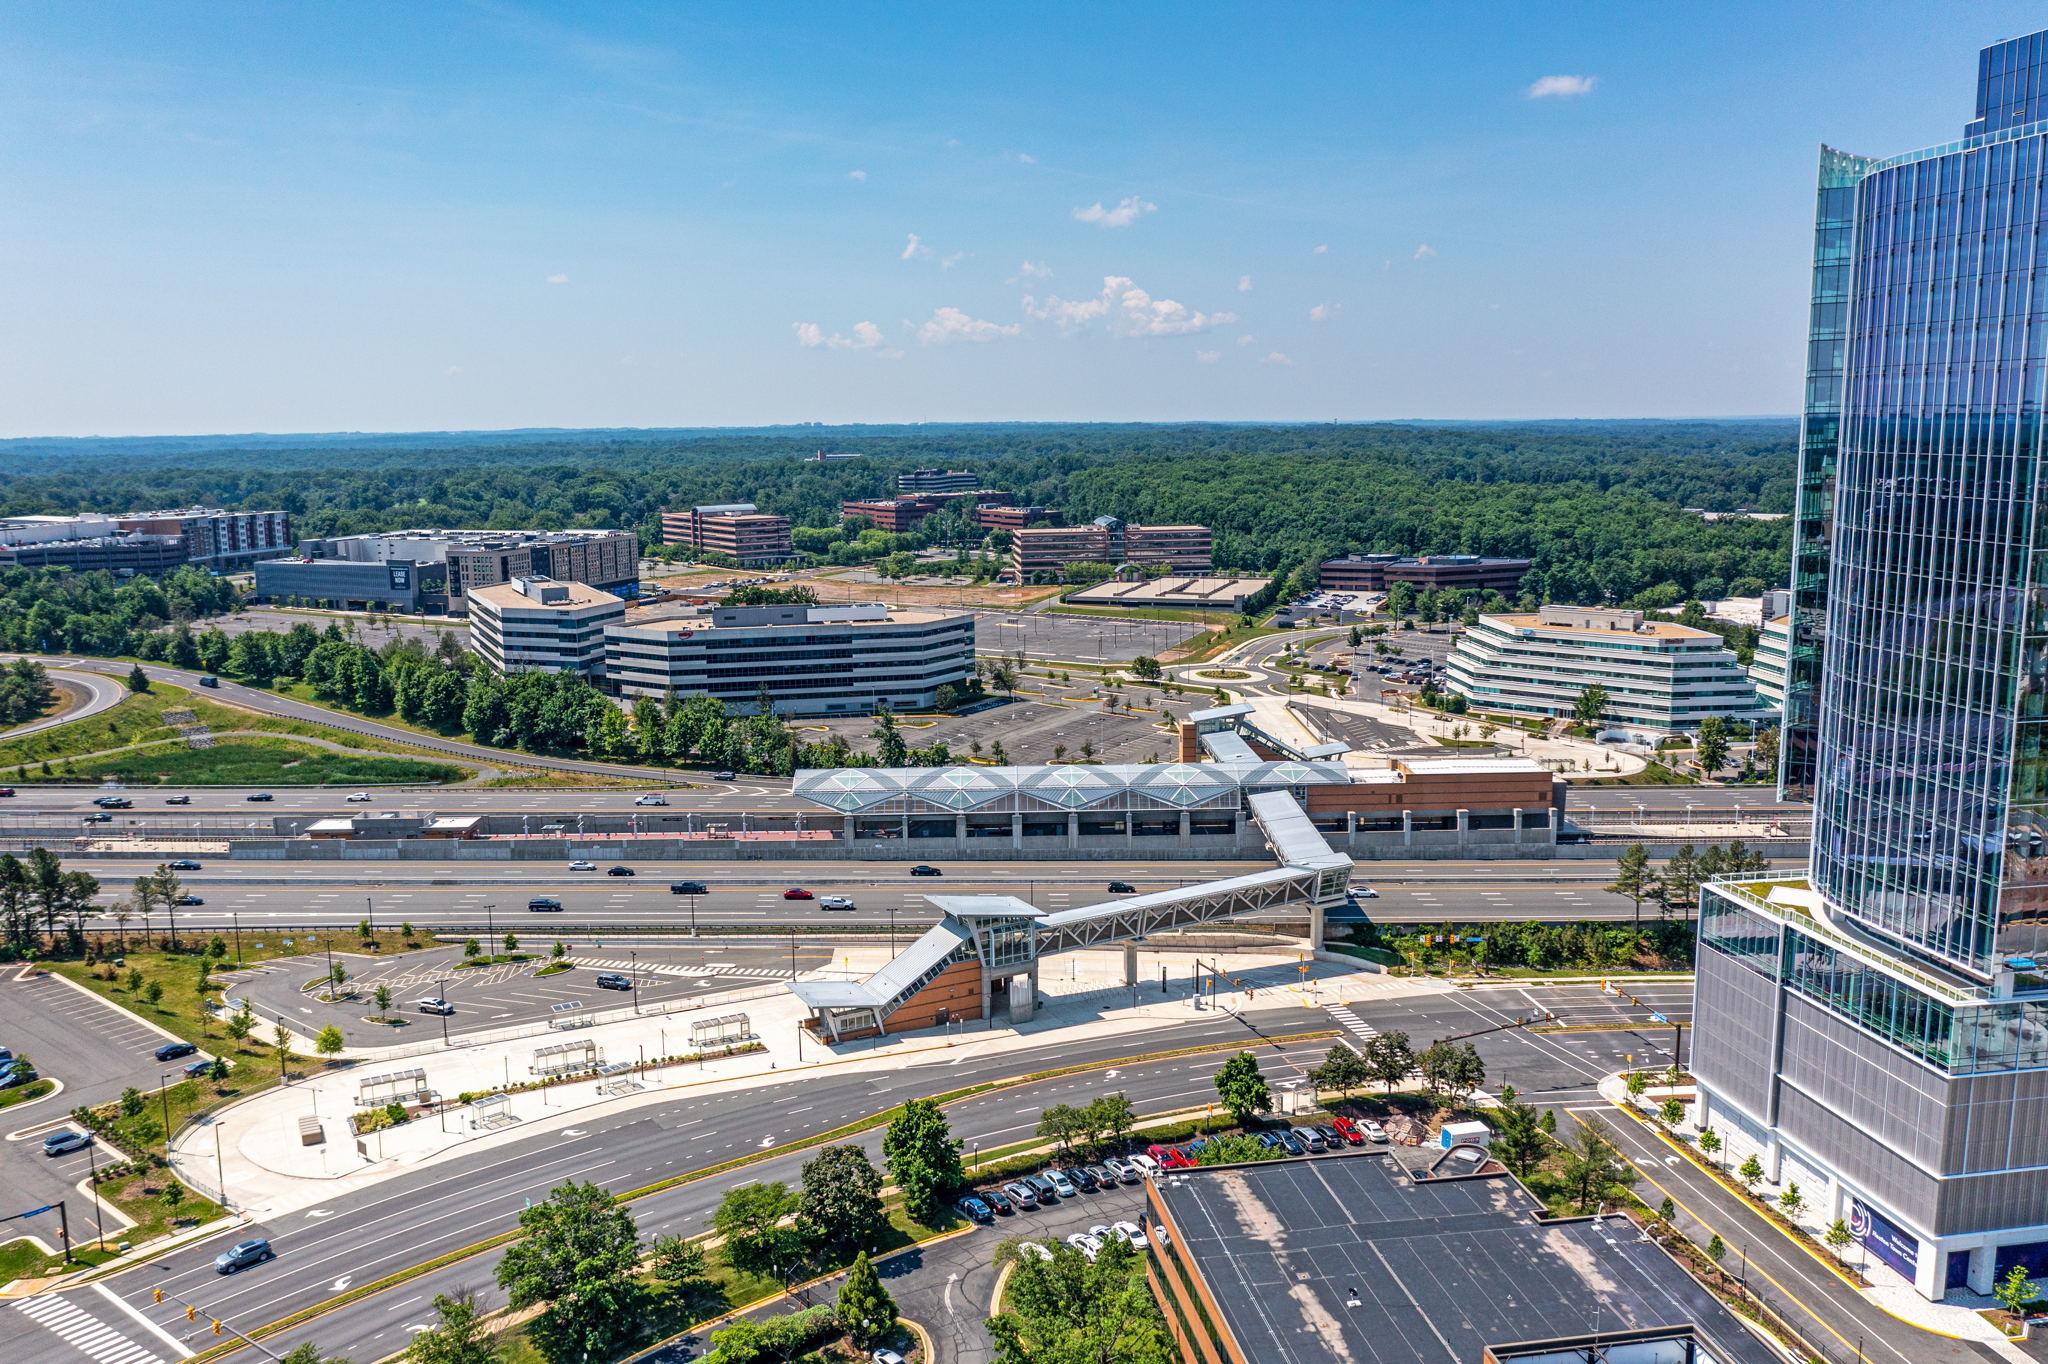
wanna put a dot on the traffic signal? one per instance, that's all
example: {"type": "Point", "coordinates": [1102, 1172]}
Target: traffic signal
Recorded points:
{"type": "Point", "coordinates": [157, 1294]}
{"type": "Point", "coordinates": [216, 1325]}
{"type": "Point", "coordinates": [191, 1313]}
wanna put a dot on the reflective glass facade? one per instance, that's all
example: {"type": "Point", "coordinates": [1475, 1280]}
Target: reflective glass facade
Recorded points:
{"type": "Point", "coordinates": [1931, 788]}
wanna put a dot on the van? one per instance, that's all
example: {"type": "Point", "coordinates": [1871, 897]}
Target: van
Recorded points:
{"type": "Point", "coordinates": [1043, 1187]}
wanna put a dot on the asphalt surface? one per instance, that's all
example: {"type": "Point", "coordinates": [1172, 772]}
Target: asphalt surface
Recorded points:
{"type": "Point", "coordinates": [93, 692]}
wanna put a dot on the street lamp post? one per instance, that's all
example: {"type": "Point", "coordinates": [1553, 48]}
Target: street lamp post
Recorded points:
{"type": "Point", "coordinates": [236, 915]}
{"type": "Point", "coordinates": [163, 1091]}
{"type": "Point", "coordinates": [490, 925]}
{"type": "Point", "coordinates": [634, 953]}
{"type": "Point", "coordinates": [444, 1016]}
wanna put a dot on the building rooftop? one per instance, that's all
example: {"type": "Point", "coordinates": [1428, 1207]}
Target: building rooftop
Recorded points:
{"type": "Point", "coordinates": [1193, 590]}
{"type": "Point", "coordinates": [1649, 629]}
{"type": "Point", "coordinates": [562, 596]}
{"type": "Point", "coordinates": [1070, 786]}
{"type": "Point", "coordinates": [1425, 767]}
{"type": "Point", "coordinates": [832, 614]}
{"type": "Point", "coordinates": [1348, 1258]}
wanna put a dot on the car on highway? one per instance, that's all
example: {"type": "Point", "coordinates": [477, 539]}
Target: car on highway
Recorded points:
{"type": "Point", "coordinates": [6, 790]}
{"type": "Point", "coordinates": [259, 795]}
{"type": "Point", "coordinates": [173, 1051]}
{"type": "Point", "coordinates": [614, 980]}
{"type": "Point", "coordinates": [1086, 1244]}
{"type": "Point", "coordinates": [724, 776]}
{"type": "Point", "coordinates": [582, 866]}
{"type": "Point", "coordinates": [1363, 893]}
{"type": "Point", "coordinates": [998, 1202]}
{"type": "Point", "coordinates": [1022, 1194]}
{"type": "Point", "coordinates": [243, 1254]}
{"type": "Point", "coordinates": [359, 798]}
{"type": "Point", "coordinates": [687, 888]}
{"type": "Point", "coordinates": [650, 799]}
{"type": "Point", "coordinates": [835, 902]}
{"type": "Point", "coordinates": [188, 898]}
{"type": "Point", "coordinates": [544, 904]}
{"type": "Point", "coordinates": [797, 893]}
{"type": "Point", "coordinates": [1122, 888]}
{"type": "Point", "coordinates": [113, 802]}
{"type": "Point", "coordinates": [183, 864]}
{"type": "Point", "coordinates": [975, 1210]}
{"type": "Point", "coordinates": [434, 1004]}
{"type": "Point", "coordinates": [209, 681]}
{"type": "Point", "coordinates": [64, 1143]}
{"type": "Point", "coordinates": [922, 870]}
{"type": "Point", "coordinates": [177, 800]}
{"type": "Point", "coordinates": [96, 817]}
{"type": "Point", "coordinates": [618, 871]}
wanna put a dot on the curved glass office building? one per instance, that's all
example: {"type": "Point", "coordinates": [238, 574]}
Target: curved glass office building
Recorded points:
{"type": "Point", "coordinates": [1879, 1028]}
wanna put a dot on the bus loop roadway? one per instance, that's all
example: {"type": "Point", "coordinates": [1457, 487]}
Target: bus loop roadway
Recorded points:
{"type": "Point", "coordinates": [429, 895]}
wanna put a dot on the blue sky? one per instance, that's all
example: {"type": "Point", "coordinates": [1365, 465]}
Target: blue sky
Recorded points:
{"type": "Point", "coordinates": [301, 215]}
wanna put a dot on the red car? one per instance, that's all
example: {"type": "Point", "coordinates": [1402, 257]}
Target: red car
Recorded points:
{"type": "Point", "coordinates": [6, 790]}
{"type": "Point", "coordinates": [1350, 1130]}
{"type": "Point", "coordinates": [797, 893]}
{"type": "Point", "coordinates": [1169, 1157]}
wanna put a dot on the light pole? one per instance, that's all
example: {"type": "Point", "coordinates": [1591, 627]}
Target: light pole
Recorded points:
{"type": "Point", "coordinates": [444, 1015]}
{"type": "Point", "coordinates": [634, 953]}
{"type": "Point", "coordinates": [370, 914]}
{"type": "Point", "coordinates": [236, 915]}
{"type": "Point", "coordinates": [163, 1092]}
{"type": "Point", "coordinates": [490, 926]}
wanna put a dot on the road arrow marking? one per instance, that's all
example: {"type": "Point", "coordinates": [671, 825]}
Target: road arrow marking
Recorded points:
{"type": "Point", "coordinates": [767, 1142]}
{"type": "Point", "coordinates": [321, 1212]}
{"type": "Point", "coordinates": [340, 1283]}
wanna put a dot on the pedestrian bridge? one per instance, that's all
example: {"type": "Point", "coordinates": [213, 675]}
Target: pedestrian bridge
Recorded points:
{"type": "Point", "coordinates": [989, 945]}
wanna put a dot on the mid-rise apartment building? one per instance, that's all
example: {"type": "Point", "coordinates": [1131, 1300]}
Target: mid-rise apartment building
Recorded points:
{"type": "Point", "coordinates": [605, 559]}
{"type": "Point", "coordinates": [145, 542]}
{"type": "Point", "coordinates": [811, 660]}
{"type": "Point", "coordinates": [938, 481]}
{"type": "Point", "coordinates": [739, 530]}
{"type": "Point", "coordinates": [1657, 675]}
{"type": "Point", "coordinates": [216, 539]}
{"type": "Point", "coordinates": [1876, 1029]}
{"type": "Point", "coordinates": [537, 624]}
{"type": "Point", "coordinates": [1376, 572]}
{"type": "Point", "coordinates": [1043, 550]}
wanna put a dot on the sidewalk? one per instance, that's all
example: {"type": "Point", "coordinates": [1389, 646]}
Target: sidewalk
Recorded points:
{"type": "Point", "coordinates": [1585, 759]}
{"type": "Point", "coordinates": [254, 1147]}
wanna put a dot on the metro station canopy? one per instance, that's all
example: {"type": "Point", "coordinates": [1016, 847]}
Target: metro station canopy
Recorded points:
{"type": "Point", "coordinates": [1056, 789]}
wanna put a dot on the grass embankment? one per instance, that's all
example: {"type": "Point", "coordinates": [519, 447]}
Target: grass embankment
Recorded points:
{"type": "Point", "coordinates": [254, 762]}
{"type": "Point", "coordinates": [28, 1093]}
{"type": "Point", "coordinates": [569, 780]}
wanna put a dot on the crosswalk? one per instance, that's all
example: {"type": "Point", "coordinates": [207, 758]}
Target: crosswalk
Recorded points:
{"type": "Point", "coordinates": [1351, 1022]}
{"type": "Point", "coordinates": [83, 1331]}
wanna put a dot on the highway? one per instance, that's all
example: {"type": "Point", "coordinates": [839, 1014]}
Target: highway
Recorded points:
{"type": "Point", "coordinates": [254, 895]}
{"type": "Point", "coordinates": [419, 1214]}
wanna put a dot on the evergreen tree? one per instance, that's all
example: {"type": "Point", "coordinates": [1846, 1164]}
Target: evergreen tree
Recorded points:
{"type": "Point", "coordinates": [866, 1310]}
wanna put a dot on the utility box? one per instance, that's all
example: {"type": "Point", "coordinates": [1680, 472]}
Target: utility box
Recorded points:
{"type": "Point", "coordinates": [309, 1132]}
{"type": "Point", "coordinates": [1465, 1134]}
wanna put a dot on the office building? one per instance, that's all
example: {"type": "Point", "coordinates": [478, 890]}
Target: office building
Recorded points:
{"type": "Point", "coordinates": [1377, 572]}
{"type": "Point", "coordinates": [605, 559]}
{"type": "Point", "coordinates": [345, 585]}
{"type": "Point", "coordinates": [1174, 594]}
{"type": "Point", "coordinates": [898, 514]}
{"type": "Point", "coordinates": [537, 624]}
{"type": "Point", "coordinates": [1877, 1029]}
{"type": "Point", "coordinates": [997, 516]}
{"type": "Point", "coordinates": [1767, 664]}
{"type": "Point", "coordinates": [812, 660]}
{"type": "Point", "coordinates": [1046, 550]}
{"type": "Point", "coordinates": [739, 530]}
{"type": "Point", "coordinates": [1657, 675]}
{"type": "Point", "coordinates": [938, 481]}
{"type": "Point", "coordinates": [216, 539]}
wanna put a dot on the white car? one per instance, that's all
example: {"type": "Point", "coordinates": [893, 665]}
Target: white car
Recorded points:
{"type": "Point", "coordinates": [583, 866]}
{"type": "Point", "coordinates": [1363, 893]}
{"type": "Point", "coordinates": [650, 799]}
{"type": "Point", "coordinates": [1144, 1165]}
{"type": "Point", "coordinates": [1131, 1232]}
{"type": "Point", "coordinates": [1034, 1250]}
{"type": "Point", "coordinates": [1372, 1130]}
{"type": "Point", "coordinates": [834, 902]}
{"type": "Point", "coordinates": [884, 1355]}
{"type": "Point", "coordinates": [359, 798]}
{"type": "Point", "coordinates": [434, 1004]}
{"type": "Point", "coordinates": [1086, 1244]}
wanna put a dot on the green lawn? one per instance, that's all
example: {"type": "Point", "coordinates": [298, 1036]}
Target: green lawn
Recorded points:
{"type": "Point", "coordinates": [251, 762]}
{"type": "Point", "coordinates": [21, 1094]}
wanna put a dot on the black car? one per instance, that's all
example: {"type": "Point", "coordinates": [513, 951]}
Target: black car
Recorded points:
{"type": "Point", "coordinates": [922, 870]}
{"type": "Point", "coordinates": [1122, 888]}
{"type": "Point", "coordinates": [188, 898]}
{"type": "Point", "coordinates": [618, 871]}
{"type": "Point", "coordinates": [1081, 1179]}
{"type": "Point", "coordinates": [177, 800]}
{"type": "Point", "coordinates": [997, 1200]}
{"type": "Point", "coordinates": [1290, 1143]}
{"type": "Point", "coordinates": [974, 1209]}
{"type": "Point", "coordinates": [171, 1051]}
{"type": "Point", "coordinates": [242, 1255]}
{"type": "Point", "coordinates": [97, 817]}
{"type": "Point", "coordinates": [544, 904]}
{"type": "Point", "coordinates": [183, 864]}
{"type": "Point", "coordinates": [113, 802]}
{"type": "Point", "coordinates": [259, 795]}
{"type": "Point", "coordinates": [612, 980]}
{"type": "Point", "coordinates": [687, 888]}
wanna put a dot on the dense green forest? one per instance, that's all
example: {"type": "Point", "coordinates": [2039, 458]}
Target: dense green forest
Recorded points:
{"type": "Point", "coordinates": [1598, 505]}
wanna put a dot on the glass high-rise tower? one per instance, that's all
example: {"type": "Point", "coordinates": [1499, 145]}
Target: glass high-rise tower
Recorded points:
{"type": "Point", "coordinates": [1878, 1029]}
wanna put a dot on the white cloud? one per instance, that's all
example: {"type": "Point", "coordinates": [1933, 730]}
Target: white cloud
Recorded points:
{"type": "Point", "coordinates": [859, 175]}
{"type": "Point", "coordinates": [1245, 340]}
{"type": "Point", "coordinates": [1126, 212]}
{"type": "Point", "coordinates": [1130, 310]}
{"type": "Point", "coordinates": [1323, 250]}
{"type": "Point", "coordinates": [914, 249]}
{"type": "Point", "coordinates": [1560, 87]}
{"type": "Point", "coordinates": [1274, 357]}
{"type": "Point", "coordinates": [1425, 251]}
{"type": "Point", "coordinates": [1244, 284]}
{"type": "Point", "coordinates": [950, 324]}
{"type": "Point", "coordinates": [1208, 357]}
{"type": "Point", "coordinates": [1026, 157]}
{"type": "Point", "coordinates": [948, 262]}
{"type": "Point", "coordinates": [1034, 269]}
{"type": "Point", "coordinates": [1323, 312]}
{"type": "Point", "coordinates": [866, 336]}
{"type": "Point", "coordinates": [558, 279]}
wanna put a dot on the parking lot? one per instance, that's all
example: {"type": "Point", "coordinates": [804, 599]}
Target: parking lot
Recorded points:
{"type": "Point", "coordinates": [1030, 729]}
{"type": "Point", "coordinates": [427, 630]}
{"type": "Point", "coordinates": [509, 993]}
{"type": "Point", "coordinates": [1078, 639]}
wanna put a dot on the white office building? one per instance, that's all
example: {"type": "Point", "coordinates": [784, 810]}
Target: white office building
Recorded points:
{"type": "Point", "coordinates": [1657, 675]}
{"type": "Point", "coordinates": [813, 660]}
{"type": "Point", "coordinates": [538, 623]}
{"type": "Point", "coordinates": [1767, 664]}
